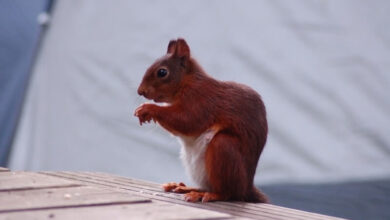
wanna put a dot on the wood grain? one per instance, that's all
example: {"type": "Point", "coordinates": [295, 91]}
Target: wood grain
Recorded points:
{"type": "Point", "coordinates": [55, 198]}
{"type": "Point", "coordinates": [153, 210]}
{"type": "Point", "coordinates": [90, 195]}
{"type": "Point", "coordinates": [27, 180]}
{"type": "Point", "coordinates": [154, 191]}
{"type": "Point", "coordinates": [3, 169]}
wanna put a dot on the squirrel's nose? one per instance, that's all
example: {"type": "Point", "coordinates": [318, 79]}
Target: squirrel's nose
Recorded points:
{"type": "Point", "coordinates": [141, 91]}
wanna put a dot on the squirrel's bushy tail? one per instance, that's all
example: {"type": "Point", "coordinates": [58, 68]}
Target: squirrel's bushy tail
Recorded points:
{"type": "Point", "coordinates": [256, 196]}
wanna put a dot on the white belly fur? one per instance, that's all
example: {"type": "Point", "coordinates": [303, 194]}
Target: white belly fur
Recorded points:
{"type": "Point", "coordinates": [193, 156]}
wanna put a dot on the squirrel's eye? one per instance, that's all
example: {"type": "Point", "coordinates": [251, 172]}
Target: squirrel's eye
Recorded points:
{"type": "Point", "coordinates": [161, 73]}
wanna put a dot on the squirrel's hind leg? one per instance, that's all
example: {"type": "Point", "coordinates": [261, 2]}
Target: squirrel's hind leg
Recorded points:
{"type": "Point", "coordinates": [226, 169]}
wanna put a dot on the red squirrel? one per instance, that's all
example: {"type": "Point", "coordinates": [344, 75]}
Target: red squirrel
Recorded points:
{"type": "Point", "coordinates": [222, 126]}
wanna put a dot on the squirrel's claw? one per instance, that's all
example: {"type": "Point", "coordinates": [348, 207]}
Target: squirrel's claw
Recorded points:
{"type": "Point", "coordinates": [143, 112]}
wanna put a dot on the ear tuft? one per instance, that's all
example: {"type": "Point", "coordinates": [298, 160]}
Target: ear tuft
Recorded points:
{"type": "Point", "coordinates": [171, 46]}
{"type": "Point", "coordinates": [182, 49]}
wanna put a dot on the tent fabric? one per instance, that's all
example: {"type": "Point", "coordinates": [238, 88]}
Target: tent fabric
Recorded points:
{"type": "Point", "coordinates": [351, 200]}
{"type": "Point", "coordinates": [320, 66]}
{"type": "Point", "coordinates": [19, 31]}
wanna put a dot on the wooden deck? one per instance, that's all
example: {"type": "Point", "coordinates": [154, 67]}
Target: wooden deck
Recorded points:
{"type": "Point", "coordinates": [87, 195]}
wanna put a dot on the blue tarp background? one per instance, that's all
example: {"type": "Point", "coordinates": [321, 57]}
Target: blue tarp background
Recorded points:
{"type": "Point", "coordinates": [19, 31]}
{"type": "Point", "coordinates": [352, 200]}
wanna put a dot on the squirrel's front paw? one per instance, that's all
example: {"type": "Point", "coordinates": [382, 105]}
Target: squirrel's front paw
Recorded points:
{"type": "Point", "coordinates": [144, 113]}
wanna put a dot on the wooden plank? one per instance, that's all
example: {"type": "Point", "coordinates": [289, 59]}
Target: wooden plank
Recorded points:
{"type": "Point", "coordinates": [12, 201]}
{"type": "Point", "coordinates": [145, 186]}
{"type": "Point", "coordinates": [153, 210]}
{"type": "Point", "coordinates": [27, 180]}
{"type": "Point", "coordinates": [247, 209]}
{"type": "Point", "coordinates": [157, 194]}
{"type": "Point", "coordinates": [153, 191]}
{"type": "Point", "coordinates": [3, 169]}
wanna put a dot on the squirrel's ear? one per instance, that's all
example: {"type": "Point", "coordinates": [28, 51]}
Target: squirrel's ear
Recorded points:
{"type": "Point", "coordinates": [182, 49]}
{"type": "Point", "coordinates": [171, 46]}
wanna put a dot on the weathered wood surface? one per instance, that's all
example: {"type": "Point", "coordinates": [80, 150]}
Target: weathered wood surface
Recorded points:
{"type": "Point", "coordinates": [28, 180]}
{"type": "Point", "coordinates": [26, 195]}
{"type": "Point", "coordinates": [50, 198]}
{"type": "Point", "coordinates": [87, 195]}
{"type": "Point", "coordinates": [152, 210]}
{"type": "Point", "coordinates": [3, 169]}
{"type": "Point", "coordinates": [153, 191]}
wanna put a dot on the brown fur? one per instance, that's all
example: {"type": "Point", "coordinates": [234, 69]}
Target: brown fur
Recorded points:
{"type": "Point", "coordinates": [198, 102]}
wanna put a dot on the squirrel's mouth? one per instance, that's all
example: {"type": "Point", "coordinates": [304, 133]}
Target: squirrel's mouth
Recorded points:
{"type": "Point", "coordinates": [162, 99]}
{"type": "Point", "coordinates": [158, 99]}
